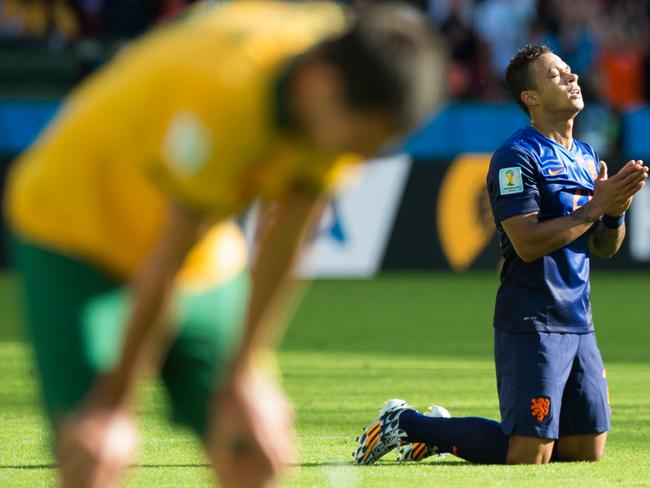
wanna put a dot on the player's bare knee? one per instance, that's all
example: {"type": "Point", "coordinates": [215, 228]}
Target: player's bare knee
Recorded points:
{"type": "Point", "coordinates": [588, 448]}
{"type": "Point", "coordinates": [593, 457]}
{"type": "Point", "coordinates": [529, 450]}
{"type": "Point", "coordinates": [585, 455]}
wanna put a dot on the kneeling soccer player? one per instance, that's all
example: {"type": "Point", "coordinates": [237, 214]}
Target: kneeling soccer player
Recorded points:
{"type": "Point", "coordinates": [554, 206]}
{"type": "Point", "coordinates": [113, 213]}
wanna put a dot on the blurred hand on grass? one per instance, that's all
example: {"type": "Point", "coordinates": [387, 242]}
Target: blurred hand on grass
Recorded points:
{"type": "Point", "coordinates": [252, 435]}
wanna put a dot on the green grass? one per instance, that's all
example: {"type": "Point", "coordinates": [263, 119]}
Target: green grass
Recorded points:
{"type": "Point", "coordinates": [352, 345]}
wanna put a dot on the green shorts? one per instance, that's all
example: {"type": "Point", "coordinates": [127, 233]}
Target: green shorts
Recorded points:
{"type": "Point", "coordinates": [77, 315]}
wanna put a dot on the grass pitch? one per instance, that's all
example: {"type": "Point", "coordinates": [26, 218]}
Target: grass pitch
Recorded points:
{"type": "Point", "coordinates": [425, 338]}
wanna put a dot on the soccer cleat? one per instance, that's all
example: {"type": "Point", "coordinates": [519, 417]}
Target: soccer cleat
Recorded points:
{"type": "Point", "coordinates": [418, 451]}
{"type": "Point", "coordinates": [383, 435]}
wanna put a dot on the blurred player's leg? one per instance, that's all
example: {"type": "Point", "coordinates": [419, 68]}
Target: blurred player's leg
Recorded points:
{"type": "Point", "coordinates": [209, 308]}
{"type": "Point", "coordinates": [77, 315]}
{"type": "Point", "coordinates": [59, 292]}
{"type": "Point", "coordinates": [210, 327]}
{"type": "Point", "coordinates": [56, 290]}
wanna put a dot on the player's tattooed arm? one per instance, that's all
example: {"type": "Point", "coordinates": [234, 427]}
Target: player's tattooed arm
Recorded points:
{"type": "Point", "coordinates": [533, 239]}
{"type": "Point", "coordinates": [585, 215]}
{"type": "Point", "coordinates": [608, 235]}
{"type": "Point", "coordinates": [605, 241]}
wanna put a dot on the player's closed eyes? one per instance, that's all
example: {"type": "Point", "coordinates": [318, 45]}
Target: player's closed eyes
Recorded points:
{"type": "Point", "coordinates": [566, 70]}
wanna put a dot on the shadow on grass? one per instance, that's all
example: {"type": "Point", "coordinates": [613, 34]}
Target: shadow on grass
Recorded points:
{"type": "Point", "coordinates": [147, 466]}
{"type": "Point", "coordinates": [207, 465]}
{"type": "Point", "coordinates": [379, 465]}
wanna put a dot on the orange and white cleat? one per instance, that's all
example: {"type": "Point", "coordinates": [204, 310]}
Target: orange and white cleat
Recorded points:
{"type": "Point", "coordinates": [383, 434]}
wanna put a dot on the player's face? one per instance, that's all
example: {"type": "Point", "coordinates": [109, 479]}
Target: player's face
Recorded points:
{"type": "Point", "coordinates": [329, 123]}
{"type": "Point", "coordinates": [556, 87]}
{"type": "Point", "coordinates": [342, 130]}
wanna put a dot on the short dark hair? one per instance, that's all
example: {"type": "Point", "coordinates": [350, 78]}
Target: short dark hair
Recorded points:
{"type": "Point", "coordinates": [518, 77]}
{"type": "Point", "coordinates": [391, 60]}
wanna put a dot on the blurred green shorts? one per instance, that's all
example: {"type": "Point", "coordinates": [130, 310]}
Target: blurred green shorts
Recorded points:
{"type": "Point", "coordinates": [77, 315]}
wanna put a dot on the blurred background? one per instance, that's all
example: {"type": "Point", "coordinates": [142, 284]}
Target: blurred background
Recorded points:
{"type": "Point", "coordinates": [425, 210]}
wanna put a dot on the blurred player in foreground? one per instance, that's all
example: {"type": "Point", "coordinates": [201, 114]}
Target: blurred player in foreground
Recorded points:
{"type": "Point", "coordinates": [554, 206]}
{"type": "Point", "coordinates": [118, 215]}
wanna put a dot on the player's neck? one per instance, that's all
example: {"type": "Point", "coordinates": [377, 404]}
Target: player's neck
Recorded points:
{"type": "Point", "coordinates": [558, 130]}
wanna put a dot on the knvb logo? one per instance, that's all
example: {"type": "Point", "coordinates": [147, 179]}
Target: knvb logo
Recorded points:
{"type": "Point", "coordinates": [540, 407]}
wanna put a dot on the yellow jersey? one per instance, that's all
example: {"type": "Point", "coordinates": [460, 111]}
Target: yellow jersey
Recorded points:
{"type": "Point", "coordinates": [187, 113]}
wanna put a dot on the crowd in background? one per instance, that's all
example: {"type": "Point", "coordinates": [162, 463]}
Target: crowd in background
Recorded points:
{"type": "Point", "coordinates": [57, 23]}
{"type": "Point", "coordinates": [605, 41]}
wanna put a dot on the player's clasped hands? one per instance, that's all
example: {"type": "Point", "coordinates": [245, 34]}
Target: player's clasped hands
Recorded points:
{"type": "Point", "coordinates": [613, 196]}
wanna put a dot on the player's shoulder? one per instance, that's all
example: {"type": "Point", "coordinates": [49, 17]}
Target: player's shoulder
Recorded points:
{"type": "Point", "coordinates": [517, 150]}
{"type": "Point", "coordinates": [522, 140]}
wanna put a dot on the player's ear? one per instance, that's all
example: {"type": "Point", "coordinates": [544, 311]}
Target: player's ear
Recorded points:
{"type": "Point", "coordinates": [529, 98]}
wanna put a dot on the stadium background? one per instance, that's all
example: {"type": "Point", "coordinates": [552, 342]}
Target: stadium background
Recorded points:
{"type": "Point", "coordinates": [421, 335]}
{"type": "Point", "coordinates": [430, 212]}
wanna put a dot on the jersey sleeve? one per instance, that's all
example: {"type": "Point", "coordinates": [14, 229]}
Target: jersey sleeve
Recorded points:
{"type": "Point", "coordinates": [199, 156]}
{"type": "Point", "coordinates": [511, 183]}
{"type": "Point", "coordinates": [182, 155]}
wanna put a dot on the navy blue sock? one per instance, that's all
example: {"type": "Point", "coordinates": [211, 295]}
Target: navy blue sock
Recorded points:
{"type": "Point", "coordinates": [474, 439]}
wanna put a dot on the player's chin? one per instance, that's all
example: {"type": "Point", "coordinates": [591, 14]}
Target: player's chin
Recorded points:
{"type": "Point", "coordinates": [577, 102]}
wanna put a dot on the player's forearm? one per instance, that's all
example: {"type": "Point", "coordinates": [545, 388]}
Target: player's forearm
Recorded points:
{"type": "Point", "coordinates": [606, 241]}
{"type": "Point", "coordinates": [541, 238]}
{"type": "Point", "coordinates": [147, 329]}
{"type": "Point", "coordinates": [147, 326]}
{"type": "Point", "coordinates": [271, 288]}
{"type": "Point", "coordinates": [270, 284]}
